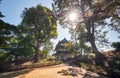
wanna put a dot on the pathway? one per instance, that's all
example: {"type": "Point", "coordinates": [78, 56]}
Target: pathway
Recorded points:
{"type": "Point", "coordinates": [57, 71]}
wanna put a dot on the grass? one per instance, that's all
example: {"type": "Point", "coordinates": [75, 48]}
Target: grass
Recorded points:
{"type": "Point", "coordinates": [44, 63]}
{"type": "Point", "coordinates": [93, 68]}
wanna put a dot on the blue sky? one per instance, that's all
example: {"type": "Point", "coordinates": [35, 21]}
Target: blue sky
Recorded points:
{"type": "Point", "coordinates": [12, 9]}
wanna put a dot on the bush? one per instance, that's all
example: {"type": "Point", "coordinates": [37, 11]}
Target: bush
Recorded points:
{"type": "Point", "coordinates": [93, 68]}
{"type": "Point", "coordinates": [85, 66]}
{"type": "Point", "coordinates": [114, 73]}
{"type": "Point", "coordinates": [116, 45]}
{"type": "Point", "coordinates": [97, 69]}
{"type": "Point", "coordinates": [44, 63]}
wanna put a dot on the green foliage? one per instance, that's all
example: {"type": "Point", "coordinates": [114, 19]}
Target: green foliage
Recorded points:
{"type": "Point", "coordinates": [44, 26]}
{"type": "Point", "coordinates": [43, 63]}
{"type": "Point", "coordinates": [93, 68]}
{"type": "Point", "coordinates": [68, 46]}
{"type": "Point", "coordinates": [92, 15]}
{"type": "Point", "coordinates": [48, 46]}
{"type": "Point", "coordinates": [6, 34]}
{"type": "Point", "coordinates": [116, 45]}
{"type": "Point", "coordinates": [1, 15]}
{"type": "Point", "coordinates": [3, 56]}
{"type": "Point", "coordinates": [87, 49]}
{"type": "Point", "coordinates": [85, 66]}
{"type": "Point", "coordinates": [12, 43]}
{"type": "Point", "coordinates": [43, 54]}
{"type": "Point", "coordinates": [114, 69]}
{"type": "Point", "coordinates": [8, 40]}
{"type": "Point", "coordinates": [39, 24]}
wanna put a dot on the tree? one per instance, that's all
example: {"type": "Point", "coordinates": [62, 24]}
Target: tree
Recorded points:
{"type": "Point", "coordinates": [13, 44]}
{"type": "Point", "coordinates": [82, 47]}
{"type": "Point", "coordinates": [24, 44]}
{"type": "Point", "coordinates": [1, 15]}
{"type": "Point", "coordinates": [90, 13]}
{"type": "Point", "coordinates": [7, 34]}
{"type": "Point", "coordinates": [40, 24]}
{"type": "Point", "coordinates": [43, 54]}
{"type": "Point", "coordinates": [68, 46]}
{"type": "Point", "coordinates": [48, 46]}
{"type": "Point", "coordinates": [47, 49]}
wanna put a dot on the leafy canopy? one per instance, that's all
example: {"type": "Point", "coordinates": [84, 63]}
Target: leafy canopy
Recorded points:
{"type": "Point", "coordinates": [40, 22]}
{"type": "Point", "coordinates": [40, 25]}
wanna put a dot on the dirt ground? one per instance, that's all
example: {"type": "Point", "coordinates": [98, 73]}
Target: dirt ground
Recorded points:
{"type": "Point", "coordinates": [52, 72]}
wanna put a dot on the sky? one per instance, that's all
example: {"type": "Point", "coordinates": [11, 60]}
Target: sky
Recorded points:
{"type": "Point", "coordinates": [12, 9]}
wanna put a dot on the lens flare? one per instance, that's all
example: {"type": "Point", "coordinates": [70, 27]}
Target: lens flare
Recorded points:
{"type": "Point", "coordinates": [72, 16]}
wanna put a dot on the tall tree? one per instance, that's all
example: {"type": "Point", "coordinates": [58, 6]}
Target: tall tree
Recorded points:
{"type": "Point", "coordinates": [90, 13]}
{"type": "Point", "coordinates": [39, 23]}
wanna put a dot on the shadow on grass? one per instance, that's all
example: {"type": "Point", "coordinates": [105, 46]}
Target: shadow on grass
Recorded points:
{"type": "Point", "coordinates": [78, 72]}
{"type": "Point", "coordinates": [89, 74]}
{"type": "Point", "coordinates": [70, 71]}
{"type": "Point", "coordinates": [15, 73]}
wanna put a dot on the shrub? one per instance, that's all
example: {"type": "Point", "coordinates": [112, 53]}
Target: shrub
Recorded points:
{"type": "Point", "coordinates": [93, 68]}
{"type": "Point", "coordinates": [85, 66]}
{"type": "Point", "coordinates": [44, 63]}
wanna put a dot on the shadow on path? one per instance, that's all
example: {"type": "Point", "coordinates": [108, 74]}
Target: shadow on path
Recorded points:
{"type": "Point", "coordinates": [15, 73]}
{"type": "Point", "coordinates": [77, 72]}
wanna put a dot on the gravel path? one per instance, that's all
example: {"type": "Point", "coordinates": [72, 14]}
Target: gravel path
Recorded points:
{"type": "Point", "coordinates": [60, 71]}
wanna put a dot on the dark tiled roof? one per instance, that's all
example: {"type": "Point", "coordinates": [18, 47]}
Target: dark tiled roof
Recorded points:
{"type": "Point", "coordinates": [64, 40]}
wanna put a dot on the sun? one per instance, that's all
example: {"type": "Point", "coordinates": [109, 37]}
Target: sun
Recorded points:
{"type": "Point", "coordinates": [72, 16]}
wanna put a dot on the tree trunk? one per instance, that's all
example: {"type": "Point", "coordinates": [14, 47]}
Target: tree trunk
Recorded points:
{"type": "Point", "coordinates": [16, 57]}
{"type": "Point", "coordinates": [89, 24]}
{"type": "Point", "coordinates": [100, 58]}
{"type": "Point", "coordinates": [37, 54]}
{"type": "Point", "coordinates": [93, 45]}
